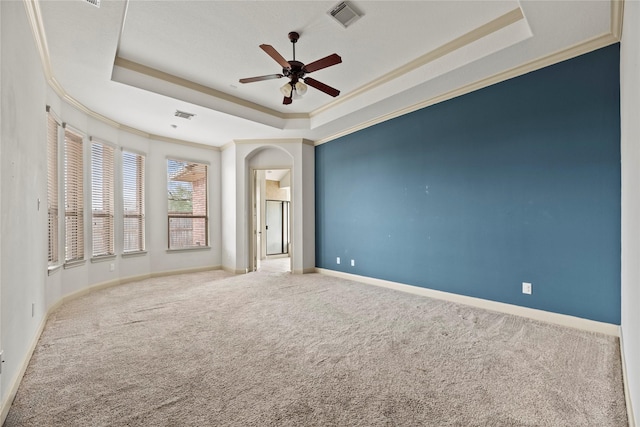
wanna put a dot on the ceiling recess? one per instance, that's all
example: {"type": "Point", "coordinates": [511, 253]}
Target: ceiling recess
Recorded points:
{"type": "Point", "coordinates": [96, 3]}
{"type": "Point", "coordinates": [183, 114]}
{"type": "Point", "coordinates": [343, 14]}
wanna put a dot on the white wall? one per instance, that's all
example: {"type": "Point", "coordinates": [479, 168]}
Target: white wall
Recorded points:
{"type": "Point", "coordinates": [158, 258]}
{"type": "Point", "coordinates": [297, 156]}
{"type": "Point", "coordinates": [229, 202]}
{"type": "Point", "coordinates": [630, 151]}
{"type": "Point", "coordinates": [23, 181]}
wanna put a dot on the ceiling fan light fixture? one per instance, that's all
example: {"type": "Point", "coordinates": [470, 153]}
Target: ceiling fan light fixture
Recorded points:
{"type": "Point", "coordinates": [301, 88]}
{"type": "Point", "coordinates": [286, 90]}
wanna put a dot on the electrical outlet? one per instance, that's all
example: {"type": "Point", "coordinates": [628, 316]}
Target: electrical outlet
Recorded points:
{"type": "Point", "coordinates": [338, 260]}
{"type": "Point", "coordinates": [112, 267]}
{"type": "Point", "coordinates": [33, 309]}
{"type": "Point", "coordinates": [353, 263]}
{"type": "Point", "coordinates": [526, 288]}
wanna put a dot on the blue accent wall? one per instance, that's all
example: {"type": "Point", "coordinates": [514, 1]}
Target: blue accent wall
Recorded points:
{"type": "Point", "coordinates": [517, 182]}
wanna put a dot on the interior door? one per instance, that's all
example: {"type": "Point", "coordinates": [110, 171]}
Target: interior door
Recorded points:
{"type": "Point", "coordinates": [274, 222]}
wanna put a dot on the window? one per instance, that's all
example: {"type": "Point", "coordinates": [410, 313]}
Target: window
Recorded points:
{"type": "Point", "coordinates": [133, 194]}
{"type": "Point", "coordinates": [187, 204]}
{"type": "Point", "coordinates": [52, 187]}
{"type": "Point", "coordinates": [102, 199]}
{"type": "Point", "coordinates": [73, 197]}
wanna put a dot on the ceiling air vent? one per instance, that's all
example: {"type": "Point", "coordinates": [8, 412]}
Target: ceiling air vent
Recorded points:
{"type": "Point", "coordinates": [183, 115]}
{"type": "Point", "coordinates": [96, 3]}
{"type": "Point", "coordinates": [344, 14]}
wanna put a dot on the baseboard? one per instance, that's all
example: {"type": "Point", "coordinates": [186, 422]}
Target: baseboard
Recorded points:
{"type": "Point", "coordinates": [531, 313]}
{"type": "Point", "coordinates": [235, 270]}
{"type": "Point", "coordinates": [627, 391]}
{"type": "Point", "coordinates": [305, 271]}
{"type": "Point", "coordinates": [15, 382]}
{"type": "Point", "coordinates": [184, 271]}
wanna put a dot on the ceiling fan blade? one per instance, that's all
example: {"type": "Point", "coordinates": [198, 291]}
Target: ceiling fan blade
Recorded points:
{"type": "Point", "coordinates": [287, 100]}
{"type": "Point", "coordinates": [322, 87]}
{"type": "Point", "coordinates": [275, 55]}
{"type": "Point", "coordinates": [260, 78]}
{"type": "Point", "coordinates": [325, 62]}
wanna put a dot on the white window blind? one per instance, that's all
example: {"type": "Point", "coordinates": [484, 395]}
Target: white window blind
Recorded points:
{"type": "Point", "coordinates": [187, 204]}
{"type": "Point", "coordinates": [102, 211]}
{"type": "Point", "coordinates": [73, 197]}
{"type": "Point", "coordinates": [52, 188]}
{"type": "Point", "coordinates": [133, 194]}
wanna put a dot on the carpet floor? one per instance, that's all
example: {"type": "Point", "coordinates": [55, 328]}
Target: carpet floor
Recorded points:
{"type": "Point", "coordinates": [275, 349]}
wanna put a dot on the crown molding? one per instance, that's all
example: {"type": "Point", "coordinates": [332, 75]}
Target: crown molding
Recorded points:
{"type": "Point", "coordinates": [188, 84]}
{"type": "Point", "coordinates": [617, 12]}
{"type": "Point", "coordinates": [474, 35]}
{"type": "Point", "coordinates": [182, 142]}
{"type": "Point", "coordinates": [554, 58]}
{"type": "Point", "coordinates": [37, 28]}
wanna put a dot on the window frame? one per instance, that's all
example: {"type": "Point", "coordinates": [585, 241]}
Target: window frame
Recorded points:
{"type": "Point", "coordinates": [139, 192]}
{"type": "Point", "coordinates": [54, 193]}
{"type": "Point", "coordinates": [174, 215]}
{"type": "Point", "coordinates": [78, 247]}
{"type": "Point", "coordinates": [107, 184]}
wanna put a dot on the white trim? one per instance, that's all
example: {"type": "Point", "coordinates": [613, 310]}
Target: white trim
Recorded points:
{"type": "Point", "coordinates": [472, 36]}
{"type": "Point", "coordinates": [235, 270]}
{"type": "Point", "coordinates": [615, 30]}
{"type": "Point", "coordinates": [133, 151]}
{"type": "Point", "coordinates": [627, 391]}
{"type": "Point", "coordinates": [188, 248]}
{"type": "Point", "coordinates": [187, 160]}
{"type": "Point", "coordinates": [554, 58]}
{"type": "Point", "coordinates": [53, 114]}
{"type": "Point", "coordinates": [15, 382]}
{"type": "Point", "coordinates": [98, 140]}
{"type": "Point", "coordinates": [530, 313]}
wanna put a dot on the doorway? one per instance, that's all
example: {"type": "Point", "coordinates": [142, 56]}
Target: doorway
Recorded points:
{"type": "Point", "coordinates": [277, 227]}
{"type": "Point", "coordinates": [271, 220]}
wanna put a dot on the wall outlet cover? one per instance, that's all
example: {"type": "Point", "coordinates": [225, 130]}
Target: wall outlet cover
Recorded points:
{"type": "Point", "coordinates": [526, 288]}
{"type": "Point", "coordinates": [338, 260]}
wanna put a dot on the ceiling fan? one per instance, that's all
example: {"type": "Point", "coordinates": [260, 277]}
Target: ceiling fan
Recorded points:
{"type": "Point", "coordinates": [296, 71]}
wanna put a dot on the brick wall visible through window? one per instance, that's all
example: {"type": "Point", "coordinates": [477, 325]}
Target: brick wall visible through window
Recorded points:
{"type": "Point", "coordinates": [187, 204]}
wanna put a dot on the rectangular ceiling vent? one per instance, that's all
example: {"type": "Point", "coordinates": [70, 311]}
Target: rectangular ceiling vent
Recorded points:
{"type": "Point", "coordinates": [183, 115]}
{"type": "Point", "coordinates": [96, 3]}
{"type": "Point", "coordinates": [344, 14]}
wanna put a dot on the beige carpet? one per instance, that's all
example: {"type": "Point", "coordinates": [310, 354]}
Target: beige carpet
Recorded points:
{"type": "Point", "coordinates": [280, 350]}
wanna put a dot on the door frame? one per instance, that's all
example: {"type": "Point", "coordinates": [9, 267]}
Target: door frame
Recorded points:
{"type": "Point", "coordinates": [255, 229]}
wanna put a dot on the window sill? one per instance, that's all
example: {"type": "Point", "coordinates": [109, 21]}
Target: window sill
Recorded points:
{"type": "Point", "coordinates": [102, 258]}
{"type": "Point", "coordinates": [73, 264]}
{"type": "Point", "coordinates": [133, 254]}
{"type": "Point", "coordinates": [191, 248]}
{"type": "Point", "coordinates": [52, 269]}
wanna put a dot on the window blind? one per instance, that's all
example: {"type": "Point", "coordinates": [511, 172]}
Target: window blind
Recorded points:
{"type": "Point", "coordinates": [187, 204]}
{"type": "Point", "coordinates": [133, 195]}
{"type": "Point", "coordinates": [102, 211]}
{"type": "Point", "coordinates": [73, 196]}
{"type": "Point", "coordinates": [52, 188]}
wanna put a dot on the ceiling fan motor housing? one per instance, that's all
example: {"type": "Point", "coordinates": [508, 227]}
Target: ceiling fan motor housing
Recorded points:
{"type": "Point", "coordinates": [296, 70]}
